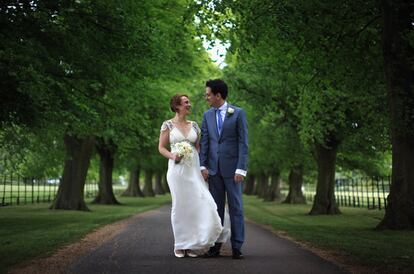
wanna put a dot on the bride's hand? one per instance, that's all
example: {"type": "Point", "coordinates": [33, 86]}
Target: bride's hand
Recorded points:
{"type": "Point", "coordinates": [204, 172]}
{"type": "Point", "coordinates": [176, 158]}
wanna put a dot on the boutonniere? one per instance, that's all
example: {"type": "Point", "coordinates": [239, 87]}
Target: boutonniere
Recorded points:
{"type": "Point", "coordinates": [230, 110]}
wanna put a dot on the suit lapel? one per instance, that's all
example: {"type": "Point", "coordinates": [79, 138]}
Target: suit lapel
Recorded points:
{"type": "Point", "coordinates": [227, 113]}
{"type": "Point", "coordinates": [214, 121]}
{"type": "Point", "coordinates": [225, 119]}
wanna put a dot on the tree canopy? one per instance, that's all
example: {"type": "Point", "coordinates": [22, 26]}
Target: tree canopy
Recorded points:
{"type": "Point", "coordinates": [327, 87]}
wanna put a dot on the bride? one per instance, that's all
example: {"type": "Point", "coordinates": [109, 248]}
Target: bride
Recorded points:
{"type": "Point", "coordinates": [194, 217]}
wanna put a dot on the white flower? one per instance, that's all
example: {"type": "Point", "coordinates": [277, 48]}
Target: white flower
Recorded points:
{"type": "Point", "coordinates": [184, 150]}
{"type": "Point", "coordinates": [230, 110]}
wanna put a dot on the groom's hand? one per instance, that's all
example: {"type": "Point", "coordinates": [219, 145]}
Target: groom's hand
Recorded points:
{"type": "Point", "coordinates": [238, 178]}
{"type": "Point", "coordinates": [204, 172]}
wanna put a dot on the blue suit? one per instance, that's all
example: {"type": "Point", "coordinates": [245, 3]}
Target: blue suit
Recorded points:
{"type": "Point", "coordinates": [222, 155]}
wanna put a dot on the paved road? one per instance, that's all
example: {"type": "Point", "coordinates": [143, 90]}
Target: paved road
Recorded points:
{"type": "Point", "coordinates": [146, 246]}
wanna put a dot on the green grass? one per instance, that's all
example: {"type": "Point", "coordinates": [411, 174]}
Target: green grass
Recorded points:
{"type": "Point", "coordinates": [350, 234]}
{"type": "Point", "coordinates": [30, 231]}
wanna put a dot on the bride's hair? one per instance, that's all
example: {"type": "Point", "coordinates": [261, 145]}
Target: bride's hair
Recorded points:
{"type": "Point", "coordinates": [176, 101]}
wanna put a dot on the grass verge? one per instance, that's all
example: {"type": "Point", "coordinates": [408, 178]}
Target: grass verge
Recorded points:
{"type": "Point", "coordinates": [33, 231]}
{"type": "Point", "coordinates": [350, 234]}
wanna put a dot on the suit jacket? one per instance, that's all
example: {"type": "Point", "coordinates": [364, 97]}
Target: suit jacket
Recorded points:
{"type": "Point", "coordinates": [228, 151]}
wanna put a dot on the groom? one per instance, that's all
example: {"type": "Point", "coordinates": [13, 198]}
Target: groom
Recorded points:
{"type": "Point", "coordinates": [223, 160]}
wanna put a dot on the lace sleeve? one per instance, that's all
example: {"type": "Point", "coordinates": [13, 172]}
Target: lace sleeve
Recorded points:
{"type": "Point", "coordinates": [197, 129]}
{"type": "Point", "coordinates": [166, 125]}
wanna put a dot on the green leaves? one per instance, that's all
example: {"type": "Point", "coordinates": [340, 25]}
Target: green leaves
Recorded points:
{"type": "Point", "coordinates": [100, 68]}
{"type": "Point", "coordinates": [313, 66]}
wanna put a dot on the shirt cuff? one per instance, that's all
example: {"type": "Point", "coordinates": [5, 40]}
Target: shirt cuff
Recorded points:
{"type": "Point", "coordinates": [202, 168]}
{"type": "Point", "coordinates": [241, 172]}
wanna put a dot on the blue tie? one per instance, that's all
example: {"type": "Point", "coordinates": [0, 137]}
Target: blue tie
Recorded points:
{"type": "Point", "coordinates": [219, 121]}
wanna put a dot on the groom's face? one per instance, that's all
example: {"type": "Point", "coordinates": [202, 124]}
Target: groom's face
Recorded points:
{"type": "Point", "coordinates": [212, 100]}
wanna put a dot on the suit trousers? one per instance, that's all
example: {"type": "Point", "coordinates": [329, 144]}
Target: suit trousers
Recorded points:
{"type": "Point", "coordinates": [220, 186]}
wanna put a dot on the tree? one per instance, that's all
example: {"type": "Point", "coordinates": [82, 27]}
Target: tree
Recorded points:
{"type": "Point", "coordinates": [101, 83]}
{"type": "Point", "coordinates": [148, 183]}
{"type": "Point", "coordinates": [324, 59]}
{"type": "Point", "coordinates": [295, 195]}
{"type": "Point", "coordinates": [398, 50]}
{"type": "Point", "coordinates": [134, 188]}
{"type": "Point", "coordinates": [106, 151]}
{"type": "Point", "coordinates": [249, 184]}
{"type": "Point", "coordinates": [159, 189]}
{"type": "Point", "coordinates": [100, 77]}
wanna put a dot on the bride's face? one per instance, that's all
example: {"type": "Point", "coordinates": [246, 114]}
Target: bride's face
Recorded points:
{"type": "Point", "coordinates": [185, 106]}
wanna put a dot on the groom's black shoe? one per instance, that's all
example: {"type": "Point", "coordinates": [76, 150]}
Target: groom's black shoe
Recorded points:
{"type": "Point", "coordinates": [213, 252]}
{"type": "Point", "coordinates": [237, 254]}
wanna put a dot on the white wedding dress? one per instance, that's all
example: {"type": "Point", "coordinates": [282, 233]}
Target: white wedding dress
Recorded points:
{"type": "Point", "coordinates": [194, 217]}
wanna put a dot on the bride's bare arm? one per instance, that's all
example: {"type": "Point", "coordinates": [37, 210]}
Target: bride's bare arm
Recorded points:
{"type": "Point", "coordinates": [162, 144]}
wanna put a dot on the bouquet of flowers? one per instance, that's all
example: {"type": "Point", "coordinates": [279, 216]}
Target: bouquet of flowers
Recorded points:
{"type": "Point", "coordinates": [184, 150]}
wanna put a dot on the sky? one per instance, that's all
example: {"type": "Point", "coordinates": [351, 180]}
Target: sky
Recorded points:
{"type": "Point", "coordinates": [217, 53]}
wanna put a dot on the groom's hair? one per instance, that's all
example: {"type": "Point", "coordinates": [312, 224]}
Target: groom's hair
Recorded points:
{"type": "Point", "coordinates": [218, 86]}
{"type": "Point", "coordinates": [176, 101]}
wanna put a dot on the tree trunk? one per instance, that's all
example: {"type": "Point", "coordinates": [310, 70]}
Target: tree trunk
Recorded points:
{"type": "Point", "coordinates": [273, 192]}
{"type": "Point", "coordinates": [158, 184]}
{"type": "Point", "coordinates": [257, 185]}
{"type": "Point", "coordinates": [165, 183]}
{"type": "Point", "coordinates": [399, 71]}
{"type": "Point", "coordinates": [106, 153]}
{"type": "Point", "coordinates": [295, 195]}
{"type": "Point", "coordinates": [324, 202]}
{"type": "Point", "coordinates": [133, 189]}
{"type": "Point", "coordinates": [249, 185]}
{"type": "Point", "coordinates": [263, 182]}
{"type": "Point", "coordinates": [148, 190]}
{"type": "Point", "coordinates": [71, 187]}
